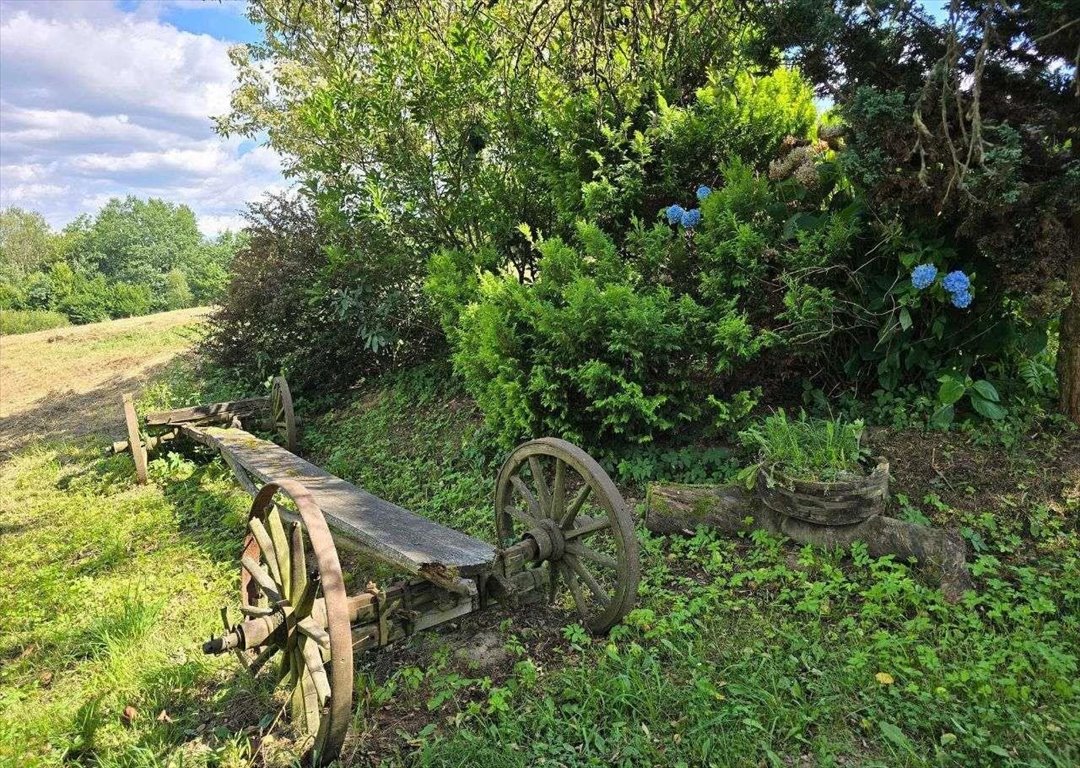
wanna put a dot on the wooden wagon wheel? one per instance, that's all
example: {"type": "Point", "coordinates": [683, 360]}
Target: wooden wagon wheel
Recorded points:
{"type": "Point", "coordinates": [281, 413]}
{"type": "Point", "coordinates": [135, 443]}
{"type": "Point", "coordinates": [314, 640]}
{"type": "Point", "coordinates": [554, 487]}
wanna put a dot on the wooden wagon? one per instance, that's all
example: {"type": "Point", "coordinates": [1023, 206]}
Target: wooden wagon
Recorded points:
{"type": "Point", "coordinates": [560, 523]}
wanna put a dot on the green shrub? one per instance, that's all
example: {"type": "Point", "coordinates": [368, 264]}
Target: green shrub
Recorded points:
{"type": "Point", "coordinates": [588, 350]}
{"type": "Point", "coordinates": [126, 300]}
{"type": "Point", "coordinates": [14, 321]}
{"type": "Point", "coordinates": [177, 292]}
{"type": "Point", "coordinates": [825, 449]}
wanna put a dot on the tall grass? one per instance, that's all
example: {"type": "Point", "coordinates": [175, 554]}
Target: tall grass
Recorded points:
{"type": "Point", "coordinates": [14, 321]}
{"type": "Point", "coordinates": [807, 447]}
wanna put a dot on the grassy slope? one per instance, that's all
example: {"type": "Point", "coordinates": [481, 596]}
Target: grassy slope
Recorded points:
{"type": "Point", "coordinates": [742, 652]}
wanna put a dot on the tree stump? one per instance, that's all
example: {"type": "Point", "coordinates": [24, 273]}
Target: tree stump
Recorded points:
{"type": "Point", "coordinates": [733, 510]}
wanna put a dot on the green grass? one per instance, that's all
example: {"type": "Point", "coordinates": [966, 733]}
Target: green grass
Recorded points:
{"type": "Point", "coordinates": [109, 588]}
{"type": "Point", "coordinates": [823, 449]}
{"type": "Point", "coordinates": [742, 651]}
{"type": "Point", "coordinates": [14, 321]}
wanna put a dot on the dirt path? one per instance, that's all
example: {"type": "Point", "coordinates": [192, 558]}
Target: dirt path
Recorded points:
{"type": "Point", "coordinates": [67, 382]}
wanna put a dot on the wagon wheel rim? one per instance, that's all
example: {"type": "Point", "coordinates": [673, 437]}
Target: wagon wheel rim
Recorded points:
{"type": "Point", "coordinates": [282, 416]}
{"type": "Point", "coordinates": [549, 482]}
{"type": "Point", "coordinates": [313, 653]}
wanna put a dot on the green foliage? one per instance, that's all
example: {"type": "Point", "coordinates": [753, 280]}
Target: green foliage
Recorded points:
{"type": "Point", "coordinates": [981, 394]}
{"type": "Point", "coordinates": [589, 350]}
{"type": "Point", "coordinates": [824, 449]}
{"type": "Point", "coordinates": [957, 128]}
{"type": "Point", "coordinates": [25, 243]}
{"type": "Point", "coordinates": [14, 321]}
{"type": "Point", "coordinates": [133, 258]}
{"type": "Point", "coordinates": [434, 129]}
{"type": "Point", "coordinates": [444, 471]}
{"type": "Point", "coordinates": [109, 586]}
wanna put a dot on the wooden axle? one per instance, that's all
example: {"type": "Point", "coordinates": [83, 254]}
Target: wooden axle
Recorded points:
{"type": "Point", "coordinates": [150, 443]}
{"type": "Point", "coordinates": [379, 617]}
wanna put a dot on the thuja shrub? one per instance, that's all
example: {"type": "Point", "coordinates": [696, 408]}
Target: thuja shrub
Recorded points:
{"type": "Point", "coordinates": [590, 350]}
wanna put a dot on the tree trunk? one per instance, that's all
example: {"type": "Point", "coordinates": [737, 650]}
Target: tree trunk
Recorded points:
{"type": "Point", "coordinates": [732, 510]}
{"type": "Point", "coordinates": [1068, 360]}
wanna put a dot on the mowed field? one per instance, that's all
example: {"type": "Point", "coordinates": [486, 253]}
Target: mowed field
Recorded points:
{"type": "Point", "coordinates": [108, 586]}
{"type": "Point", "coordinates": [67, 382]}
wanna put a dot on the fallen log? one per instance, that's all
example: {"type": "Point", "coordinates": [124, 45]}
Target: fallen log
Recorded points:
{"type": "Point", "coordinates": [733, 510]}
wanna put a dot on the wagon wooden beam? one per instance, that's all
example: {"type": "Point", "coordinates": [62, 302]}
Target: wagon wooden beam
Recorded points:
{"type": "Point", "coordinates": [214, 412]}
{"type": "Point", "coordinates": [732, 510]}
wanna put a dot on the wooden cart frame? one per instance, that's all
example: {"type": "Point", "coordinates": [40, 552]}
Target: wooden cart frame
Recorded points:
{"type": "Point", "coordinates": [559, 521]}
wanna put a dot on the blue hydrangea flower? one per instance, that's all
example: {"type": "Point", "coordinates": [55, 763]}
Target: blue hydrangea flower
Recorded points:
{"type": "Point", "coordinates": [961, 299]}
{"type": "Point", "coordinates": [703, 192]}
{"type": "Point", "coordinates": [956, 282]}
{"type": "Point", "coordinates": [675, 213]}
{"type": "Point", "coordinates": [691, 218]}
{"type": "Point", "coordinates": [923, 275]}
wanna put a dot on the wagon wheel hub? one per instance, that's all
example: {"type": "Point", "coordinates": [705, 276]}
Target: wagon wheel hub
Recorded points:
{"type": "Point", "coordinates": [549, 539]}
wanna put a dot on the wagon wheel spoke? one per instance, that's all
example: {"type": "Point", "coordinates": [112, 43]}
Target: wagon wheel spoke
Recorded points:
{"type": "Point", "coordinates": [282, 416]}
{"type": "Point", "coordinates": [536, 512]}
{"type": "Point", "coordinates": [254, 611]}
{"type": "Point", "coordinates": [314, 638]}
{"type": "Point", "coordinates": [261, 658]}
{"type": "Point", "coordinates": [575, 590]}
{"type": "Point", "coordinates": [262, 578]}
{"type": "Point", "coordinates": [527, 520]}
{"type": "Point", "coordinates": [314, 632]}
{"type": "Point", "coordinates": [590, 581]}
{"type": "Point", "coordinates": [269, 551]}
{"type": "Point", "coordinates": [542, 491]}
{"type": "Point", "coordinates": [304, 700]}
{"type": "Point", "coordinates": [309, 652]}
{"type": "Point", "coordinates": [553, 582]}
{"type": "Point", "coordinates": [558, 491]}
{"type": "Point", "coordinates": [575, 506]}
{"type": "Point", "coordinates": [297, 563]}
{"type": "Point", "coordinates": [600, 558]}
{"type": "Point", "coordinates": [592, 526]}
{"type": "Point", "coordinates": [282, 554]}
{"type": "Point", "coordinates": [596, 556]}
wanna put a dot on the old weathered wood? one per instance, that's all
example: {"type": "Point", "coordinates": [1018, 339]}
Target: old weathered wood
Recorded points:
{"type": "Point", "coordinates": [837, 502]}
{"type": "Point", "coordinates": [733, 510]}
{"type": "Point", "coordinates": [399, 537]}
{"type": "Point", "coordinates": [151, 443]}
{"type": "Point", "coordinates": [213, 412]}
{"type": "Point", "coordinates": [539, 494]}
{"type": "Point", "coordinates": [138, 451]}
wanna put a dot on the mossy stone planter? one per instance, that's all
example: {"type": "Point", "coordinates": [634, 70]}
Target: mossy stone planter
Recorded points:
{"type": "Point", "coordinates": [839, 502]}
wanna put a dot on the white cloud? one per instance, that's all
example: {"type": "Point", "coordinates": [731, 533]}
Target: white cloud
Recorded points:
{"type": "Point", "coordinates": [98, 102]}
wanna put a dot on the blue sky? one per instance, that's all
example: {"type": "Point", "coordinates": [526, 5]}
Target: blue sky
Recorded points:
{"type": "Point", "coordinates": [100, 98]}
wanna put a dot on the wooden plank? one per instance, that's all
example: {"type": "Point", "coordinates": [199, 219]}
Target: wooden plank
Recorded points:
{"type": "Point", "coordinates": [215, 411]}
{"type": "Point", "coordinates": [138, 452]}
{"type": "Point", "coordinates": [399, 537]}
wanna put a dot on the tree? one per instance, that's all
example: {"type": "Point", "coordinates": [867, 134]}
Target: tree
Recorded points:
{"type": "Point", "coordinates": [965, 127]}
{"type": "Point", "coordinates": [429, 126]}
{"type": "Point", "coordinates": [138, 242]}
{"type": "Point", "coordinates": [26, 243]}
